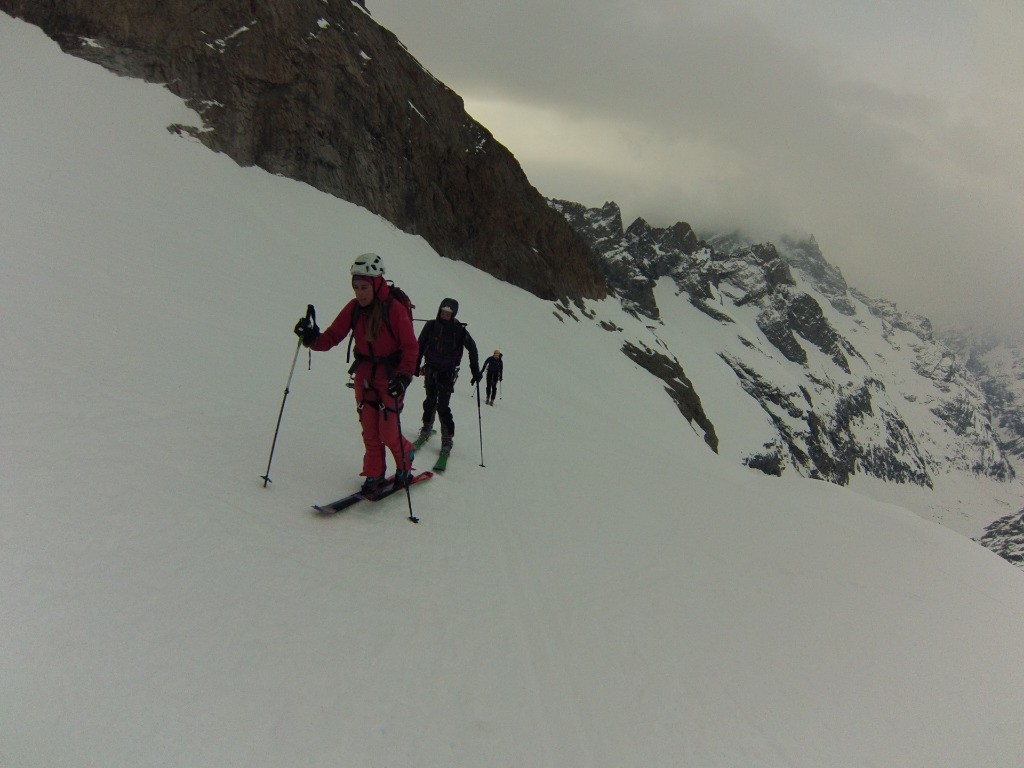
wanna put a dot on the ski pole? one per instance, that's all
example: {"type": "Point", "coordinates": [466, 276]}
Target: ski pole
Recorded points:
{"type": "Point", "coordinates": [310, 315]}
{"type": "Point", "coordinates": [405, 460]}
{"type": "Point", "coordinates": [480, 422]}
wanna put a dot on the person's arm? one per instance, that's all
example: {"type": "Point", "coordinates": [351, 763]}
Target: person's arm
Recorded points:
{"type": "Point", "coordinates": [474, 357]}
{"type": "Point", "coordinates": [406, 335]}
{"type": "Point", "coordinates": [424, 335]}
{"type": "Point", "coordinates": [337, 331]}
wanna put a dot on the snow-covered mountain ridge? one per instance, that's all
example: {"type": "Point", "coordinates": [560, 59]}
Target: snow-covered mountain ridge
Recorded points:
{"type": "Point", "coordinates": [845, 385]}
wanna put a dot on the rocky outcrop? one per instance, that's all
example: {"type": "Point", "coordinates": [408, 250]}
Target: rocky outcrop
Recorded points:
{"type": "Point", "coordinates": [805, 317]}
{"type": "Point", "coordinates": [895, 319]}
{"type": "Point", "coordinates": [806, 256]}
{"type": "Point", "coordinates": [998, 365]}
{"type": "Point", "coordinates": [634, 258]}
{"type": "Point", "coordinates": [1005, 537]}
{"type": "Point", "coordinates": [317, 91]}
{"type": "Point", "coordinates": [677, 385]}
{"type": "Point", "coordinates": [826, 441]}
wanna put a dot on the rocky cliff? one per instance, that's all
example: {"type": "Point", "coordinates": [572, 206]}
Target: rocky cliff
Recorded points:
{"type": "Point", "coordinates": [317, 91]}
{"type": "Point", "coordinates": [849, 384]}
{"type": "Point", "coordinates": [999, 367]}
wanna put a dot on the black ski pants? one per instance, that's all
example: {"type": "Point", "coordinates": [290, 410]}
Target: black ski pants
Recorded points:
{"type": "Point", "coordinates": [439, 386]}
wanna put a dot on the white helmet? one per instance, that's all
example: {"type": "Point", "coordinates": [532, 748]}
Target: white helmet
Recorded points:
{"type": "Point", "coordinates": [368, 265]}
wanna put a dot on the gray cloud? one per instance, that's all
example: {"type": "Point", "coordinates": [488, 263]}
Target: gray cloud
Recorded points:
{"type": "Point", "coordinates": [890, 130]}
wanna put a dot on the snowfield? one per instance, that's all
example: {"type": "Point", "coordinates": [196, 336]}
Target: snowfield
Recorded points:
{"type": "Point", "coordinates": [604, 592]}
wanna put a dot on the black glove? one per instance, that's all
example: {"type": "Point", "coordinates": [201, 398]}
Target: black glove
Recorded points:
{"type": "Point", "coordinates": [309, 333]}
{"type": "Point", "coordinates": [398, 383]}
{"type": "Point", "coordinates": [475, 380]}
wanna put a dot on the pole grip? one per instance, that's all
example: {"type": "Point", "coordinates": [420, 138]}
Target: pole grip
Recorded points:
{"type": "Point", "coordinates": [311, 317]}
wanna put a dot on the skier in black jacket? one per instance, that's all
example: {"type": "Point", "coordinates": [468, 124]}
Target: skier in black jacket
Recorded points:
{"type": "Point", "coordinates": [442, 342]}
{"type": "Point", "coordinates": [493, 368]}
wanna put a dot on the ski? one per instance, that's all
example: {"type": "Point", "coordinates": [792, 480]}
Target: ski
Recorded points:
{"type": "Point", "coordinates": [393, 487]}
{"type": "Point", "coordinates": [419, 441]}
{"type": "Point", "coordinates": [442, 463]}
{"type": "Point", "coordinates": [388, 487]}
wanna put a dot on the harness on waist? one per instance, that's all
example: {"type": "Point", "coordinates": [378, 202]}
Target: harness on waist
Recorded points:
{"type": "Point", "coordinates": [390, 363]}
{"type": "Point", "coordinates": [380, 403]}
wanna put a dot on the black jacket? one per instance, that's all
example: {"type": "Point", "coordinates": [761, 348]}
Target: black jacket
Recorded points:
{"type": "Point", "coordinates": [443, 341]}
{"type": "Point", "coordinates": [493, 368]}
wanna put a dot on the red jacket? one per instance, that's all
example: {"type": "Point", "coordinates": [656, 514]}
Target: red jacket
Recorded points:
{"type": "Point", "coordinates": [396, 335]}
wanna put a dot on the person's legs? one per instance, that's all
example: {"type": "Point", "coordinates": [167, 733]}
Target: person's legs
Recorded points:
{"type": "Point", "coordinates": [401, 449]}
{"type": "Point", "coordinates": [429, 402]}
{"type": "Point", "coordinates": [445, 388]}
{"type": "Point", "coordinates": [373, 444]}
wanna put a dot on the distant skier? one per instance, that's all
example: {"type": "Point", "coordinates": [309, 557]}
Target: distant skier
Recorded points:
{"type": "Point", "coordinates": [493, 369]}
{"type": "Point", "coordinates": [385, 361]}
{"type": "Point", "coordinates": [441, 344]}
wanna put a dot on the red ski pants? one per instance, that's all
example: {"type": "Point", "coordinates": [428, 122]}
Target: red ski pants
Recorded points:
{"type": "Point", "coordinates": [380, 431]}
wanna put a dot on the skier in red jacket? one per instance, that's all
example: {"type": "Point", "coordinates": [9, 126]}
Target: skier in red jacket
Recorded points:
{"type": "Point", "coordinates": [386, 352]}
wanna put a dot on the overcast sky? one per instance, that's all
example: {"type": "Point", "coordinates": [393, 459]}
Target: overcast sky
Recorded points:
{"type": "Point", "coordinates": [891, 130]}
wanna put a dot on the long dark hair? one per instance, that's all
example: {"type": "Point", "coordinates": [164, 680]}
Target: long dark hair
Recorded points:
{"type": "Point", "coordinates": [374, 318]}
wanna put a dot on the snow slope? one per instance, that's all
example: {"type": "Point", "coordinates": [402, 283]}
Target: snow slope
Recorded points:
{"type": "Point", "coordinates": [604, 592]}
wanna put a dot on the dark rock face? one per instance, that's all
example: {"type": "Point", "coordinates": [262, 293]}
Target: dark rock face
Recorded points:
{"type": "Point", "coordinates": [633, 258]}
{"type": "Point", "coordinates": [822, 442]}
{"type": "Point", "coordinates": [806, 318]}
{"type": "Point", "coordinates": [999, 366]}
{"type": "Point", "coordinates": [677, 385]}
{"type": "Point", "coordinates": [773, 324]}
{"type": "Point", "coordinates": [806, 256]}
{"type": "Point", "coordinates": [1005, 537]}
{"type": "Point", "coordinates": [317, 91]}
{"type": "Point", "coordinates": [755, 270]}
